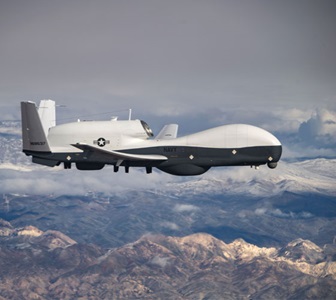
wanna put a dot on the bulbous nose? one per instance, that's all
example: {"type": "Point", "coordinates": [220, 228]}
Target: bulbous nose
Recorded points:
{"type": "Point", "coordinates": [276, 152]}
{"type": "Point", "coordinates": [272, 148]}
{"type": "Point", "coordinates": [261, 137]}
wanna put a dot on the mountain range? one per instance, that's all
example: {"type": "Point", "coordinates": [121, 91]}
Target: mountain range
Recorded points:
{"type": "Point", "coordinates": [50, 265]}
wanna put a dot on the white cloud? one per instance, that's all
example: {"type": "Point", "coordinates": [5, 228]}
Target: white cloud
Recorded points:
{"type": "Point", "coordinates": [160, 261]}
{"type": "Point", "coordinates": [44, 180]}
{"type": "Point", "coordinates": [286, 120]}
{"type": "Point", "coordinates": [276, 212]}
{"type": "Point", "coordinates": [10, 130]}
{"type": "Point", "coordinates": [170, 225]}
{"type": "Point", "coordinates": [320, 130]}
{"type": "Point", "coordinates": [185, 208]}
{"type": "Point", "coordinates": [260, 211]}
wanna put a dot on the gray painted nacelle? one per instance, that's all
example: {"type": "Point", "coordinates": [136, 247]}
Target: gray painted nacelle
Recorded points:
{"type": "Point", "coordinates": [91, 145]}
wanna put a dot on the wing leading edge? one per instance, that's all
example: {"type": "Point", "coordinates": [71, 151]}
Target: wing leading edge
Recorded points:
{"type": "Point", "coordinates": [120, 155]}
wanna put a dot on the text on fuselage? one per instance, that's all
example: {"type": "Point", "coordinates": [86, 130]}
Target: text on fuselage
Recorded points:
{"type": "Point", "coordinates": [169, 149]}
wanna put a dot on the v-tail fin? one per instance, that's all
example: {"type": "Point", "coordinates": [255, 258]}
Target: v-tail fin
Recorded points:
{"type": "Point", "coordinates": [168, 132]}
{"type": "Point", "coordinates": [34, 137]}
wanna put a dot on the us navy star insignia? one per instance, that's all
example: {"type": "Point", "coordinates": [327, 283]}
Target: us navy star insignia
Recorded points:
{"type": "Point", "coordinates": [101, 142]}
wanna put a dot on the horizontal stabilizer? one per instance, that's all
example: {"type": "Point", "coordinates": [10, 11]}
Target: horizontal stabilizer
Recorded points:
{"type": "Point", "coordinates": [120, 155]}
{"type": "Point", "coordinates": [168, 132]}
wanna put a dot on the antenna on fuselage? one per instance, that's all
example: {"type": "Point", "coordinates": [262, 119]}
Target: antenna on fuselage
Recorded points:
{"type": "Point", "coordinates": [130, 114]}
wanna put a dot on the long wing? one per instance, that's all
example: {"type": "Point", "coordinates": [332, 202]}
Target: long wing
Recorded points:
{"type": "Point", "coordinates": [120, 155]}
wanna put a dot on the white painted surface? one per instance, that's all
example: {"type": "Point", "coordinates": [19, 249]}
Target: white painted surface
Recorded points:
{"type": "Point", "coordinates": [130, 134]}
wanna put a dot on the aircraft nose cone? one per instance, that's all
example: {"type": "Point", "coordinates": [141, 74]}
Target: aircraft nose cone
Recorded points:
{"type": "Point", "coordinates": [260, 137]}
{"type": "Point", "coordinates": [276, 152]}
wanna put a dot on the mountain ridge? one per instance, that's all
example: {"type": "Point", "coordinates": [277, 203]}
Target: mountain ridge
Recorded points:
{"type": "Point", "coordinates": [158, 267]}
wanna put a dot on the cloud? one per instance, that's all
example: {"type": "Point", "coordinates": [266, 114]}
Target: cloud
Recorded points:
{"type": "Point", "coordinates": [279, 119]}
{"type": "Point", "coordinates": [170, 225]}
{"type": "Point", "coordinates": [286, 120]}
{"type": "Point", "coordinates": [44, 180]}
{"type": "Point", "coordinates": [185, 208]}
{"type": "Point", "coordinates": [303, 133]}
{"type": "Point", "coordinates": [160, 261]}
{"type": "Point", "coordinates": [320, 130]}
{"type": "Point", "coordinates": [10, 130]}
{"type": "Point", "coordinates": [276, 212]}
{"type": "Point", "coordinates": [260, 211]}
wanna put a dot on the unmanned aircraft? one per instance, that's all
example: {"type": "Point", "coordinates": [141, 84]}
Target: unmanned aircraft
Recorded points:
{"type": "Point", "coordinates": [90, 145]}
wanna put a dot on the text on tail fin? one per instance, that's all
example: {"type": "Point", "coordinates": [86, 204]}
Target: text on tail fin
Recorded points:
{"type": "Point", "coordinates": [33, 134]}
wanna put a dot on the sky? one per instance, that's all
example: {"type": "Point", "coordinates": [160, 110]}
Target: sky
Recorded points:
{"type": "Point", "coordinates": [196, 63]}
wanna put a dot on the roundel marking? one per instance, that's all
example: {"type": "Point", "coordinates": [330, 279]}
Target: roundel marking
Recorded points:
{"type": "Point", "coordinates": [101, 142]}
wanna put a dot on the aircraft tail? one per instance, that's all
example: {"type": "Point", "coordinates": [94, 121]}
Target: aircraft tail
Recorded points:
{"type": "Point", "coordinates": [34, 136]}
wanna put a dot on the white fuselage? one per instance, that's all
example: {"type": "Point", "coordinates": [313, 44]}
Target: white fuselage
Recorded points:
{"type": "Point", "coordinates": [130, 134]}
